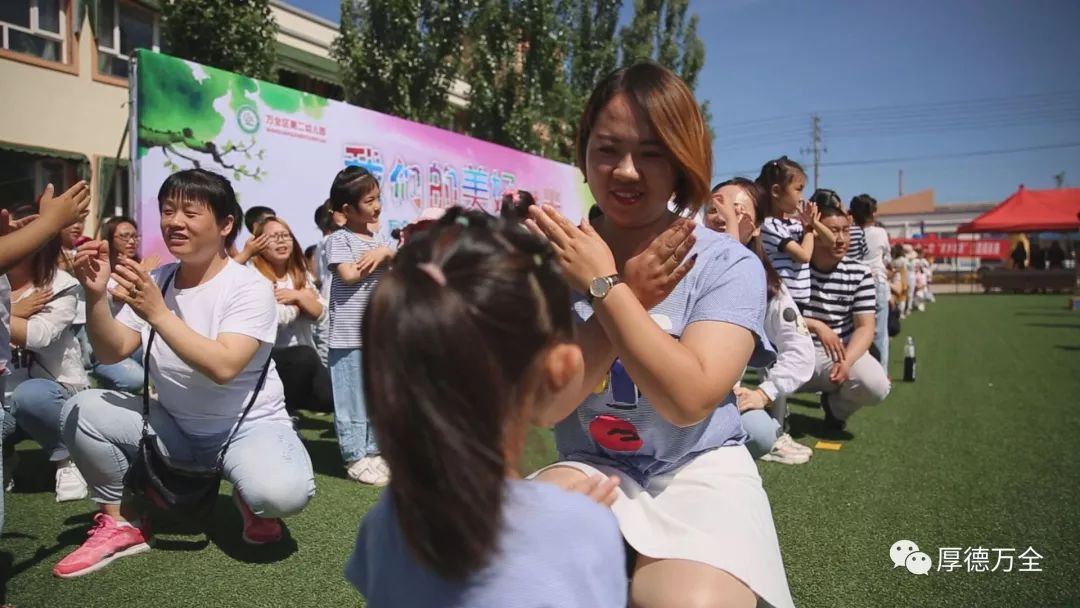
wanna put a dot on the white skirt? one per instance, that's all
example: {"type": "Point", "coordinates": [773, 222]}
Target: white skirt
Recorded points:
{"type": "Point", "coordinates": [713, 510]}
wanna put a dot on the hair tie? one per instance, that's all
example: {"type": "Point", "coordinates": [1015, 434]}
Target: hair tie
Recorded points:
{"type": "Point", "coordinates": [434, 272]}
{"type": "Point", "coordinates": [462, 220]}
{"type": "Point", "coordinates": [513, 193]}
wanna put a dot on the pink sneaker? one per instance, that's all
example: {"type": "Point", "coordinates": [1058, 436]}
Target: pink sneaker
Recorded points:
{"type": "Point", "coordinates": [106, 541]}
{"type": "Point", "coordinates": [257, 530]}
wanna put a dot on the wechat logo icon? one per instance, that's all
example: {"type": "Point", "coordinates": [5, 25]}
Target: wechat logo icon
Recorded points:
{"type": "Point", "coordinates": [906, 553]}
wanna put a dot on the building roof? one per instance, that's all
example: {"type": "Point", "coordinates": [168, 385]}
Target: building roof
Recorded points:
{"type": "Point", "coordinates": [909, 204]}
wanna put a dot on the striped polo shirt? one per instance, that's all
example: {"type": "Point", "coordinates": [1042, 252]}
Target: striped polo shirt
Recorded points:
{"type": "Point", "coordinates": [347, 302]}
{"type": "Point", "coordinates": [837, 295]}
{"type": "Point", "coordinates": [857, 249]}
{"type": "Point", "coordinates": [776, 233]}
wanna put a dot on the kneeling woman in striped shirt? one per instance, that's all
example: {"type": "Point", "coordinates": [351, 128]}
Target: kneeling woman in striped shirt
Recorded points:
{"type": "Point", "coordinates": [840, 315]}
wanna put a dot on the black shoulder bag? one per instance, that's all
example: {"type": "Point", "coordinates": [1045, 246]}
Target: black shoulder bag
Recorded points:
{"type": "Point", "coordinates": [193, 493]}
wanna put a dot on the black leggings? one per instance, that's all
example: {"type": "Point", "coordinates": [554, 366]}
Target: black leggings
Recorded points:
{"type": "Point", "coordinates": [306, 380]}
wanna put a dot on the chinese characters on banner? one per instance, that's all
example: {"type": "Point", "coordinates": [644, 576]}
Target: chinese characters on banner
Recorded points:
{"type": "Point", "coordinates": [956, 248]}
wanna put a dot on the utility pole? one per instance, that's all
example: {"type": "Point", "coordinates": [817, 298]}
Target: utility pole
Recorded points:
{"type": "Point", "coordinates": [816, 148]}
{"type": "Point", "coordinates": [1060, 179]}
{"type": "Point", "coordinates": [900, 182]}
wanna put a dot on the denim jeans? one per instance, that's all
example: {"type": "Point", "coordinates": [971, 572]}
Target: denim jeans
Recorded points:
{"type": "Point", "coordinates": [881, 335]}
{"type": "Point", "coordinates": [126, 376]}
{"type": "Point", "coordinates": [35, 409]}
{"type": "Point", "coordinates": [355, 436]}
{"type": "Point", "coordinates": [763, 429]}
{"type": "Point", "coordinates": [266, 460]}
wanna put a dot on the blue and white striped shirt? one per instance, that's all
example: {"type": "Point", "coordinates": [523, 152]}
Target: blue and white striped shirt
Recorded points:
{"type": "Point", "coordinates": [776, 233]}
{"type": "Point", "coordinates": [348, 302]}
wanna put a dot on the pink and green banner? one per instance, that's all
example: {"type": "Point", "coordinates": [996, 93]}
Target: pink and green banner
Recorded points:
{"type": "Point", "coordinates": [281, 148]}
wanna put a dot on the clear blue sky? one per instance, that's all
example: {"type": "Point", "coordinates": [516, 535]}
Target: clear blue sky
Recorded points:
{"type": "Point", "coordinates": [891, 80]}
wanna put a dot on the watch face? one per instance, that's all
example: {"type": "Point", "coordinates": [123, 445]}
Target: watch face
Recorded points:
{"type": "Point", "coordinates": [599, 287]}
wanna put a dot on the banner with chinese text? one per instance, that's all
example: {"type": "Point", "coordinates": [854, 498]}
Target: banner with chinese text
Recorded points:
{"type": "Point", "coordinates": [281, 148]}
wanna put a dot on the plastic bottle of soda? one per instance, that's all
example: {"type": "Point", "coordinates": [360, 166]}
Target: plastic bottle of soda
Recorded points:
{"type": "Point", "coordinates": [909, 360]}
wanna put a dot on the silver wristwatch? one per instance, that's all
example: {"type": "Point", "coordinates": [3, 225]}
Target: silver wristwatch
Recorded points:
{"type": "Point", "coordinates": [601, 286]}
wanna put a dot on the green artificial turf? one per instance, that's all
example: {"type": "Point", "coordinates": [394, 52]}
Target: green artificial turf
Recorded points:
{"type": "Point", "coordinates": [980, 452]}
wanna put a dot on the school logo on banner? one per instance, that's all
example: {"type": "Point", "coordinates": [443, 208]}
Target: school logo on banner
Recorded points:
{"type": "Point", "coordinates": [247, 116]}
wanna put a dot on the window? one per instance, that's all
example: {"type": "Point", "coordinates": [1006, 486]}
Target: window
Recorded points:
{"type": "Point", "coordinates": [122, 27]}
{"type": "Point", "coordinates": [117, 202]}
{"type": "Point", "coordinates": [23, 176]}
{"type": "Point", "coordinates": [35, 27]}
{"type": "Point", "coordinates": [316, 86]}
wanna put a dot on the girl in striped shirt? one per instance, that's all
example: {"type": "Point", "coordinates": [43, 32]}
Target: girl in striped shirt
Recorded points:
{"type": "Point", "coordinates": [790, 226]}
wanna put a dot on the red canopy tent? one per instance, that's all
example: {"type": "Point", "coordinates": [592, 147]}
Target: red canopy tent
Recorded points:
{"type": "Point", "coordinates": [1031, 211]}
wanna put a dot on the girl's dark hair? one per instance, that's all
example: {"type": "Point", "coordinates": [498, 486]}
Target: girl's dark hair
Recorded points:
{"type": "Point", "coordinates": [862, 208]}
{"type": "Point", "coordinates": [758, 198]}
{"type": "Point", "coordinates": [350, 185]}
{"type": "Point", "coordinates": [324, 217]}
{"type": "Point", "coordinates": [451, 354]}
{"type": "Point", "coordinates": [108, 232]}
{"type": "Point", "coordinates": [515, 205]}
{"type": "Point", "coordinates": [208, 188]}
{"type": "Point", "coordinates": [778, 172]}
{"type": "Point", "coordinates": [43, 262]}
{"type": "Point", "coordinates": [310, 251]}
{"type": "Point", "coordinates": [676, 121]}
{"type": "Point", "coordinates": [256, 214]}
{"type": "Point", "coordinates": [823, 197]}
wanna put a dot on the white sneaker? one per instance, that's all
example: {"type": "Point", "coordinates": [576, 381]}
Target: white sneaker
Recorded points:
{"type": "Point", "coordinates": [358, 470]}
{"type": "Point", "coordinates": [70, 484]}
{"type": "Point", "coordinates": [795, 445]}
{"type": "Point", "coordinates": [783, 453]}
{"type": "Point", "coordinates": [380, 472]}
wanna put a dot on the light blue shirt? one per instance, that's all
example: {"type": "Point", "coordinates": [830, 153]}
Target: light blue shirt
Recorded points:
{"type": "Point", "coordinates": [557, 549]}
{"type": "Point", "coordinates": [617, 426]}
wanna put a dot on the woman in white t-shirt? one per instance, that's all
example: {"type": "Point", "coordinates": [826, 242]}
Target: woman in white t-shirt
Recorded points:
{"type": "Point", "coordinates": [300, 309]}
{"type": "Point", "coordinates": [48, 360]}
{"type": "Point", "coordinates": [215, 324]}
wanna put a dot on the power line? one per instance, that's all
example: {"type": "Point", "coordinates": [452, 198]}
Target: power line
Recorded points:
{"type": "Point", "coordinates": [882, 161]}
{"type": "Point", "coordinates": [956, 154]}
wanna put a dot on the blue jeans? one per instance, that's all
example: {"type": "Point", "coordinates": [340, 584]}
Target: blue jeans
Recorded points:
{"type": "Point", "coordinates": [266, 460]}
{"type": "Point", "coordinates": [763, 429]}
{"type": "Point", "coordinates": [355, 435]}
{"type": "Point", "coordinates": [35, 408]}
{"type": "Point", "coordinates": [126, 376]}
{"type": "Point", "coordinates": [881, 335]}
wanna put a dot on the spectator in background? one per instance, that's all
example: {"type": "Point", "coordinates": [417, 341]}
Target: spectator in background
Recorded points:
{"type": "Point", "coordinates": [840, 315]}
{"type": "Point", "coordinates": [874, 252]}
{"type": "Point", "coordinates": [49, 367]}
{"type": "Point", "coordinates": [737, 208]}
{"type": "Point", "coordinates": [255, 215]}
{"type": "Point", "coordinates": [327, 221]}
{"type": "Point", "coordinates": [19, 239]}
{"type": "Point", "coordinates": [1038, 256]}
{"type": "Point", "coordinates": [300, 309]}
{"type": "Point", "coordinates": [1019, 255]}
{"type": "Point", "coordinates": [122, 235]}
{"type": "Point", "coordinates": [1055, 256]}
{"type": "Point", "coordinates": [254, 245]}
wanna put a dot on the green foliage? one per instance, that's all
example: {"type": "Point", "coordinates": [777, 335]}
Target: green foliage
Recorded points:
{"type": "Point", "coordinates": [661, 31]}
{"type": "Point", "coordinates": [234, 35]}
{"type": "Point", "coordinates": [401, 57]}
{"type": "Point", "coordinates": [517, 74]}
{"type": "Point", "coordinates": [177, 114]}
